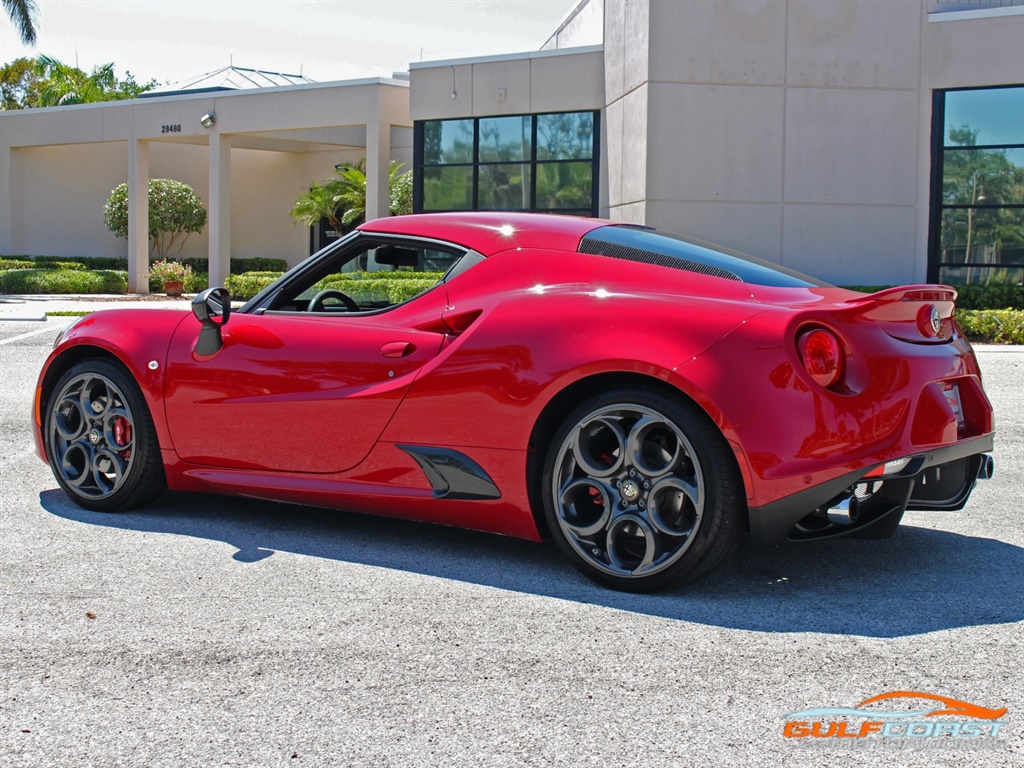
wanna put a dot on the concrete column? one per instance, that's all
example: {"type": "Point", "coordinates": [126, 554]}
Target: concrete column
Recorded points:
{"type": "Point", "coordinates": [378, 163]}
{"type": "Point", "coordinates": [138, 216]}
{"type": "Point", "coordinates": [12, 211]}
{"type": "Point", "coordinates": [220, 208]}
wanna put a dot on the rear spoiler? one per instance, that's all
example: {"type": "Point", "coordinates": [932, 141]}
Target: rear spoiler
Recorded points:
{"type": "Point", "coordinates": [922, 292]}
{"type": "Point", "coordinates": [916, 313]}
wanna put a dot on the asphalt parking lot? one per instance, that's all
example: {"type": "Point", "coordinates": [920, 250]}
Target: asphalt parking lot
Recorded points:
{"type": "Point", "coordinates": [231, 632]}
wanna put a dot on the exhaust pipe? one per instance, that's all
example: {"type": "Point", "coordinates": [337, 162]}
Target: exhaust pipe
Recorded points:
{"type": "Point", "coordinates": [844, 512]}
{"type": "Point", "coordinates": [987, 467]}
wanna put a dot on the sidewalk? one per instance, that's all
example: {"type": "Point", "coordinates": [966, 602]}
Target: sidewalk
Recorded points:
{"type": "Point", "coordinates": [35, 307]}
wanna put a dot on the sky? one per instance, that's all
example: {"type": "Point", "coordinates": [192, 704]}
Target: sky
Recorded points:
{"type": "Point", "coordinates": [325, 40]}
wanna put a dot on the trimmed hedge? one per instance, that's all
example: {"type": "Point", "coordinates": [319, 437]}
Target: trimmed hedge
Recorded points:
{"type": "Point", "coordinates": [993, 326]}
{"type": "Point", "coordinates": [63, 281]}
{"type": "Point", "coordinates": [395, 287]}
{"type": "Point", "coordinates": [990, 297]}
{"type": "Point", "coordinates": [6, 264]}
{"type": "Point", "coordinates": [87, 262]}
{"type": "Point", "coordinates": [381, 288]}
{"type": "Point", "coordinates": [238, 266]}
{"type": "Point", "coordinates": [244, 287]}
{"type": "Point", "coordinates": [17, 264]}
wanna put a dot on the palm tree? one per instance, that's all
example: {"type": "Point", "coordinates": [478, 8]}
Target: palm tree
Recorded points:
{"type": "Point", "coordinates": [342, 201]}
{"type": "Point", "coordinates": [322, 201]}
{"type": "Point", "coordinates": [63, 84]}
{"type": "Point", "coordinates": [22, 13]}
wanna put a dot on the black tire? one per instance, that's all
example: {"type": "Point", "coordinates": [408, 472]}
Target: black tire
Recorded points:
{"type": "Point", "coordinates": [100, 439]}
{"type": "Point", "coordinates": [641, 491]}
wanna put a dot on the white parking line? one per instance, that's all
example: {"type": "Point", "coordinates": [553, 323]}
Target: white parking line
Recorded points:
{"type": "Point", "coordinates": [26, 335]}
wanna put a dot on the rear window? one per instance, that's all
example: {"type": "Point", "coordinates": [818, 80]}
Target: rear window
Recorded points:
{"type": "Point", "coordinates": [675, 252]}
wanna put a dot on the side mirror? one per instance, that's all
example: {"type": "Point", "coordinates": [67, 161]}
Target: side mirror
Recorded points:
{"type": "Point", "coordinates": [212, 308]}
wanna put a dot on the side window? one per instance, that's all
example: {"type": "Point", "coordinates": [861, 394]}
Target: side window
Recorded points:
{"type": "Point", "coordinates": [370, 276]}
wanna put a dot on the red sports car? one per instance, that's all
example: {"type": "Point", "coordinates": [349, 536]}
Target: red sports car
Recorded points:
{"type": "Point", "coordinates": [643, 399]}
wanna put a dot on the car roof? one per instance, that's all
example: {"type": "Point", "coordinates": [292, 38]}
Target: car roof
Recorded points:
{"type": "Point", "coordinates": [492, 231]}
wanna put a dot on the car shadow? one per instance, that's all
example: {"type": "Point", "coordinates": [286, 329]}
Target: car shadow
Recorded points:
{"type": "Point", "coordinates": [919, 581]}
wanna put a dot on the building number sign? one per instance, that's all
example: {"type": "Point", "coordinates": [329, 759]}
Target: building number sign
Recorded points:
{"type": "Point", "coordinates": [170, 129]}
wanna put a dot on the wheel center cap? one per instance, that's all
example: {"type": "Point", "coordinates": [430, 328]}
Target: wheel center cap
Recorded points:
{"type": "Point", "coordinates": [94, 437]}
{"type": "Point", "coordinates": [630, 490]}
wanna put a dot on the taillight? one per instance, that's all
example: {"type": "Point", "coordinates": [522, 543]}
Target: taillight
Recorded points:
{"type": "Point", "coordinates": [821, 355]}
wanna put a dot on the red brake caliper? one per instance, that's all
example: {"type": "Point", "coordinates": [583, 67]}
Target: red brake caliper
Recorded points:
{"type": "Point", "coordinates": [123, 435]}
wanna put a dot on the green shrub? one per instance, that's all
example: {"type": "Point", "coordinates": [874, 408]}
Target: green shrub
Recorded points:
{"type": "Point", "coordinates": [196, 282]}
{"type": "Point", "coordinates": [105, 262]}
{"type": "Point", "coordinates": [393, 287]}
{"type": "Point", "coordinates": [243, 287]}
{"type": "Point", "coordinates": [197, 265]}
{"type": "Point", "coordinates": [995, 326]}
{"type": "Point", "coordinates": [86, 262]}
{"type": "Point", "coordinates": [435, 276]}
{"type": "Point", "coordinates": [380, 288]}
{"type": "Point", "coordinates": [63, 281]}
{"type": "Point", "coordinates": [16, 264]}
{"type": "Point", "coordinates": [240, 266]}
{"type": "Point", "coordinates": [175, 211]}
{"type": "Point", "coordinates": [258, 265]}
{"type": "Point", "coordinates": [990, 297]}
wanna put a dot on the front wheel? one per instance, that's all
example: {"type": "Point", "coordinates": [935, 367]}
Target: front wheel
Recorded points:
{"type": "Point", "coordinates": [641, 491]}
{"type": "Point", "coordinates": [100, 439]}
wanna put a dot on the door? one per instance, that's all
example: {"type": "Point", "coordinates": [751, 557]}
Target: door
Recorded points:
{"type": "Point", "coordinates": [296, 392]}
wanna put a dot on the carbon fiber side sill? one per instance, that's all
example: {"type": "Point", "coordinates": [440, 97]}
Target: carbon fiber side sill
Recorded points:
{"type": "Point", "coordinates": [453, 475]}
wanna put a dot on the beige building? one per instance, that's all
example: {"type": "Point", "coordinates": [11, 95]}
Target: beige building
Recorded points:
{"type": "Point", "coordinates": [862, 141]}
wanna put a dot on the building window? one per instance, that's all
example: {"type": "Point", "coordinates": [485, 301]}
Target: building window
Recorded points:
{"type": "Point", "coordinates": [542, 162]}
{"type": "Point", "coordinates": [977, 223]}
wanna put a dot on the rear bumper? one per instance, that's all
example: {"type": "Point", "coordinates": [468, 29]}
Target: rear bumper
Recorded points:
{"type": "Point", "coordinates": [942, 478]}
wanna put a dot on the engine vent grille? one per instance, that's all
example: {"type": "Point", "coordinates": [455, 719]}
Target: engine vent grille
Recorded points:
{"type": "Point", "coordinates": [638, 227]}
{"type": "Point", "coordinates": [616, 251]}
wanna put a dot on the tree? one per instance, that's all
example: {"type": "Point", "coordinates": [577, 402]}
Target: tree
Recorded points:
{"type": "Point", "coordinates": [401, 192]}
{"type": "Point", "coordinates": [175, 211]}
{"type": "Point", "coordinates": [46, 82]}
{"type": "Point", "coordinates": [63, 84]}
{"type": "Point", "coordinates": [19, 84]}
{"type": "Point", "coordinates": [322, 201]}
{"type": "Point", "coordinates": [22, 13]}
{"type": "Point", "coordinates": [342, 200]}
{"type": "Point", "coordinates": [129, 88]}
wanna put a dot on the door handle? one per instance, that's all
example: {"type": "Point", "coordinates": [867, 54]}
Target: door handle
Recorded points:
{"type": "Point", "coordinates": [398, 349]}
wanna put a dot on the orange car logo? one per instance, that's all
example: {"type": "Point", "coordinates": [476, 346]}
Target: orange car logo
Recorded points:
{"type": "Point", "coordinates": [981, 721]}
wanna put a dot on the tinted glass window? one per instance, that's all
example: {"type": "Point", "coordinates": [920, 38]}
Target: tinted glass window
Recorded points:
{"type": "Point", "coordinates": [565, 136]}
{"type": "Point", "coordinates": [675, 252]}
{"type": "Point", "coordinates": [544, 162]}
{"type": "Point", "coordinates": [978, 211]}
{"type": "Point", "coordinates": [504, 139]}
{"type": "Point", "coordinates": [448, 141]}
{"type": "Point", "coordinates": [367, 275]}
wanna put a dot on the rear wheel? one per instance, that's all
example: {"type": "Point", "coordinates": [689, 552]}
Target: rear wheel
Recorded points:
{"type": "Point", "coordinates": [641, 491]}
{"type": "Point", "coordinates": [100, 439]}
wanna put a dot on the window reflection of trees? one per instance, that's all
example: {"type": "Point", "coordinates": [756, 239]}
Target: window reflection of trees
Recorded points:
{"type": "Point", "coordinates": [981, 209]}
{"type": "Point", "coordinates": [539, 162]}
